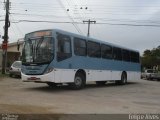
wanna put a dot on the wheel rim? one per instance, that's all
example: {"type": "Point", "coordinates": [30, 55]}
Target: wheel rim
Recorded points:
{"type": "Point", "coordinates": [78, 81]}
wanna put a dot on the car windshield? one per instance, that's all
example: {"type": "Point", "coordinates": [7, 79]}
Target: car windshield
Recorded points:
{"type": "Point", "coordinates": [38, 50]}
{"type": "Point", "coordinates": [17, 64]}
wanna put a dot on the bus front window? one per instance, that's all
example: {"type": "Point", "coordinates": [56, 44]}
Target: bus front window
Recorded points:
{"type": "Point", "coordinates": [38, 50]}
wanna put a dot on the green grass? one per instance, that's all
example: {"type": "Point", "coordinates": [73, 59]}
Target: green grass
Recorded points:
{"type": "Point", "coordinates": [3, 75]}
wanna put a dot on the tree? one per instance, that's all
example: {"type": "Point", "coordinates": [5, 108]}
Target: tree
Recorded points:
{"type": "Point", "coordinates": [151, 58]}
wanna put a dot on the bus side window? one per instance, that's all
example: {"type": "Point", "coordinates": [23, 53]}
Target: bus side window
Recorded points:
{"type": "Point", "coordinates": [80, 47]}
{"type": "Point", "coordinates": [106, 51]}
{"type": "Point", "coordinates": [134, 57]}
{"type": "Point", "coordinates": [126, 55]}
{"type": "Point", "coordinates": [117, 53]}
{"type": "Point", "coordinates": [64, 47]}
{"type": "Point", "coordinates": [93, 49]}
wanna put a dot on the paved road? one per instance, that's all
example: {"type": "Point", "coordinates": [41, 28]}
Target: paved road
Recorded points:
{"type": "Point", "coordinates": [136, 97]}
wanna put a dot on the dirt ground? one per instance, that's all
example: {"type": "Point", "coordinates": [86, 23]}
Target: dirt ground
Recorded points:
{"type": "Point", "coordinates": [139, 96]}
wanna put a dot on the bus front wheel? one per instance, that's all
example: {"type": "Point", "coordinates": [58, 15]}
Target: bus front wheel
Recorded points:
{"type": "Point", "coordinates": [79, 81]}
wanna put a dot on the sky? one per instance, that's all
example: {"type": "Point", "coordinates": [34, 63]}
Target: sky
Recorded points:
{"type": "Point", "coordinates": [133, 24]}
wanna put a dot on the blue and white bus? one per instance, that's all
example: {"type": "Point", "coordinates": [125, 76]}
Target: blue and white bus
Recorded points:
{"type": "Point", "coordinates": [56, 57]}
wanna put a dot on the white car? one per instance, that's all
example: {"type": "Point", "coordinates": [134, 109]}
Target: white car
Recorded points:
{"type": "Point", "coordinates": [150, 74]}
{"type": "Point", "coordinates": [15, 69]}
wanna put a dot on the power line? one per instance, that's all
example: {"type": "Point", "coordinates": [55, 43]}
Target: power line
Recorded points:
{"type": "Point", "coordinates": [96, 9]}
{"type": "Point", "coordinates": [129, 20]}
{"type": "Point", "coordinates": [77, 28]}
{"type": "Point", "coordinates": [96, 27]}
{"type": "Point", "coordinates": [140, 25]}
{"type": "Point", "coordinates": [81, 18]}
{"type": "Point", "coordinates": [39, 15]}
{"type": "Point", "coordinates": [34, 21]}
{"type": "Point", "coordinates": [17, 27]}
{"type": "Point", "coordinates": [100, 23]}
{"type": "Point", "coordinates": [79, 14]}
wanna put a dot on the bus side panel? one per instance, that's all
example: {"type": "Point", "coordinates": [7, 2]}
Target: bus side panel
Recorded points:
{"type": "Point", "coordinates": [116, 75]}
{"type": "Point", "coordinates": [98, 75]}
{"type": "Point", "coordinates": [106, 75]}
{"type": "Point", "coordinates": [130, 75]}
{"type": "Point", "coordinates": [137, 75]}
{"type": "Point", "coordinates": [133, 75]}
{"type": "Point", "coordinates": [57, 76]}
{"type": "Point", "coordinates": [64, 75]}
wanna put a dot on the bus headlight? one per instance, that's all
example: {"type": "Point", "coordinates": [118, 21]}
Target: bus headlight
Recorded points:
{"type": "Point", "coordinates": [48, 70]}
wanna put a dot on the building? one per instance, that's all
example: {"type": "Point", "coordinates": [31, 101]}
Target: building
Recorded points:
{"type": "Point", "coordinates": [13, 53]}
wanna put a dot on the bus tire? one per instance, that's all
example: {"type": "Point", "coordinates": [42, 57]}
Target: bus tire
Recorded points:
{"type": "Point", "coordinates": [123, 80]}
{"type": "Point", "coordinates": [79, 82]}
{"type": "Point", "coordinates": [101, 83]}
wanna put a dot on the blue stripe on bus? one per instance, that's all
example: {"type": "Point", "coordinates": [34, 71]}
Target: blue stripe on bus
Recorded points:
{"type": "Point", "coordinates": [78, 62]}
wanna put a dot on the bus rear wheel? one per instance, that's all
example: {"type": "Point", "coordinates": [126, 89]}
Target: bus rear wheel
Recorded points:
{"type": "Point", "coordinates": [123, 80]}
{"type": "Point", "coordinates": [79, 82]}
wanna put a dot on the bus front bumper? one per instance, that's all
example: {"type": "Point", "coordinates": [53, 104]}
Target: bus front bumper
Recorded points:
{"type": "Point", "coordinates": [49, 77]}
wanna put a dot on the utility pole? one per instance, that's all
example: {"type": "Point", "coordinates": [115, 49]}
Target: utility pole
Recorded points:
{"type": "Point", "coordinates": [5, 37]}
{"type": "Point", "coordinates": [89, 22]}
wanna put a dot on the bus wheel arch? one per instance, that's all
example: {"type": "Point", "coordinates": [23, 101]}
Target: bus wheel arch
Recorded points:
{"type": "Point", "coordinates": [125, 73]}
{"type": "Point", "coordinates": [81, 71]}
{"type": "Point", "coordinates": [79, 80]}
{"type": "Point", "coordinates": [123, 80]}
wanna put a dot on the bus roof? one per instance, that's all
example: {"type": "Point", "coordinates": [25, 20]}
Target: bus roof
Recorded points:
{"type": "Point", "coordinates": [84, 37]}
{"type": "Point", "coordinates": [92, 39]}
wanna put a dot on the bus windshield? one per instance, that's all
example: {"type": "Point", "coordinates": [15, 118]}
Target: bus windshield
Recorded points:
{"type": "Point", "coordinates": [38, 50]}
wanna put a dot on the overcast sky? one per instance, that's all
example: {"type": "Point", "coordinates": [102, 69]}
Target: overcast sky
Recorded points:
{"type": "Point", "coordinates": [131, 23]}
